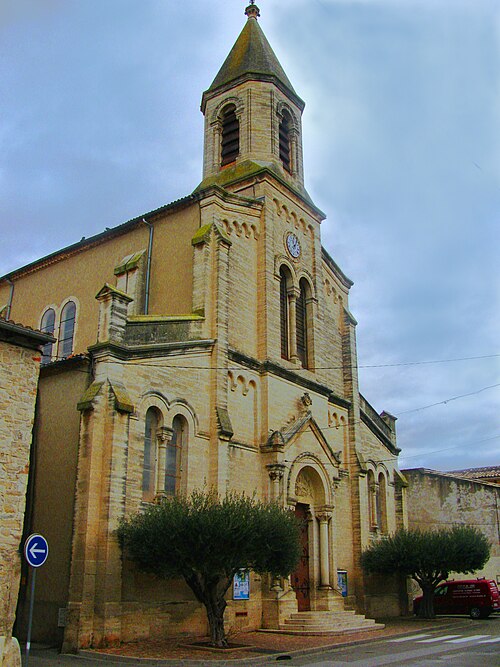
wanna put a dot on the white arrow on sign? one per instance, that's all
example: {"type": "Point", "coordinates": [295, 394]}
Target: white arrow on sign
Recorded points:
{"type": "Point", "coordinates": [34, 551]}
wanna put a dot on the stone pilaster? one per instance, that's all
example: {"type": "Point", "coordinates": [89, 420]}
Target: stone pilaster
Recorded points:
{"type": "Point", "coordinates": [113, 306]}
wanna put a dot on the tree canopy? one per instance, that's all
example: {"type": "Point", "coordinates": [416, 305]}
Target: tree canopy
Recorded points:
{"type": "Point", "coordinates": [428, 557]}
{"type": "Point", "coordinates": [207, 539]}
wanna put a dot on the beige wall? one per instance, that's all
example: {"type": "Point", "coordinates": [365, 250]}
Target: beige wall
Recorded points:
{"type": "Point", "coordinates": [438, 500]}
{"type": "Point", "coordinates": [81, 275]}
{"type": "Point", "coordinates": [19, 369]}
{"type": "Point", "coordinates": [54, 468]}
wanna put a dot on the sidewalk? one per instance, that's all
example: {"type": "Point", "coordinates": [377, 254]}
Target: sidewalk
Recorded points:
{"type": "Point", "coordinates": [259, 647]}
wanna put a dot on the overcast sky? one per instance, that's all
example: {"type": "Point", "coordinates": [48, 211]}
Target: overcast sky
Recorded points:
{"type": "Point", "coordinates": [100, 122]}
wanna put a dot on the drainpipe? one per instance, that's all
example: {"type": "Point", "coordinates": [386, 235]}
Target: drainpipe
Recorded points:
{"type": "Point", "coordinates": [148, 266]}
{"type": "Point", "coordinates": [11, 297]}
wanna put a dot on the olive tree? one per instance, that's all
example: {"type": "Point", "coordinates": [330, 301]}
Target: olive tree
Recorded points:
{"type": "Point", "coordinates": [428, 557]}
{"type": "Point", "coordinates": [207, 539]}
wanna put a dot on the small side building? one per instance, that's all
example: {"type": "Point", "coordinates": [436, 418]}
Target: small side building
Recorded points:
{"type": "Point", "coordinates": [489, 474]}
{"type": "Point", "coordinates": [439, 499]}
{"type": "Point", "coordinates": [20, 357]}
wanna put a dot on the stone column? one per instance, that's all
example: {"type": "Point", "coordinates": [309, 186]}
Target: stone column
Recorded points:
{"type": "Point", "coordinates": [276, 473]}
{"type": "Point", "coordinates": [374, 495]}
{"type": "Point", "coordinates": [293, 294]}
{"type": "Point", "coordinates": [324, 517]}
{"type": "Point", "coordinates": [163, 439]}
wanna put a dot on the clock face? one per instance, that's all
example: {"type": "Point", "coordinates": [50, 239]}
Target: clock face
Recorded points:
{"type": "Point", "coordinates": [293, 245]}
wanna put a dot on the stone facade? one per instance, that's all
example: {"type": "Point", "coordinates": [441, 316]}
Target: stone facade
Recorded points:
{"type": "Point", "coordinates": [19, 367]}
{"type": "Point", "coordinates": [224, 357]}
{"type": "Point", "coordinates": [438, 499]}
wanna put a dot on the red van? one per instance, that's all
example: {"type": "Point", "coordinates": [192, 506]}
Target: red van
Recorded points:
{"type": "Point", "coordinates": [476, 597]}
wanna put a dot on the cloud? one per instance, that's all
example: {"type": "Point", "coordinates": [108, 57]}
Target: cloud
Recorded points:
{"type": "Point", "coordinates": [100, 122]}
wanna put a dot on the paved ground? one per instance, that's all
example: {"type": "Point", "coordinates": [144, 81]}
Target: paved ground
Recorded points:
{"type": "Point", "coordinates": [260, 648]}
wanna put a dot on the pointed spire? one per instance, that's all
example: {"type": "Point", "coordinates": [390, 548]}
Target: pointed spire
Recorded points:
{"type": "Point", "coordinates": [252, 57]}
{"type": "Point", "coordinates": [252, 11]}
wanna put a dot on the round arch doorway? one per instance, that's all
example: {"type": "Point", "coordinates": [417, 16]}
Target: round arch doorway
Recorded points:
{"type": "Point", "coordinates": [310, 501]}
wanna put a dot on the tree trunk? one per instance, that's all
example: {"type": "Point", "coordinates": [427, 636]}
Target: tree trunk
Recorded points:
{"type": "Point", "coordinates": [215, 615]}
{"type": "Point", "coordinates": [427, 605]}
{"type": "Point", "coordinates": [212, 595]}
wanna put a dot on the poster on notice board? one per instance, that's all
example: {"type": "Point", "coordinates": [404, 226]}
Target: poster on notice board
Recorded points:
{"type": "Point", "coordinates": [241, 585]}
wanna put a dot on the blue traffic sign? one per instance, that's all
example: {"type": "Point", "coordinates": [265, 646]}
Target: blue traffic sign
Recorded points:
{"type": "Point", "coordinates": [36, 550]}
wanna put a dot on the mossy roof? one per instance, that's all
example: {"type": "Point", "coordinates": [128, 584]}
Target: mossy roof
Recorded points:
{"type": "Point", "coordinates": [251, 54]}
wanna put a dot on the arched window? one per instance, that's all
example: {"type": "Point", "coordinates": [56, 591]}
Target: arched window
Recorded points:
{"type": "Point", "coordinates": [174, 453]}
{"type": "Point", "coordinates": [382, 504]}
{"type": "Point", "coordinates": [150, 452]}
{"type": "Point", "coordinates": [372, 500]}
{"type": "Point", "coordinates": [67, 330]}
{"type": "Point", "coordinates": [230, 146]}
{"type": "Point", "coordinates": [301, 317]}
{"type": "Point", "coordinates": [284, 140]}
{"type": "Point", "coordinates": [47, 326]}
{"type": "Point", "coordinates": [285, 352]}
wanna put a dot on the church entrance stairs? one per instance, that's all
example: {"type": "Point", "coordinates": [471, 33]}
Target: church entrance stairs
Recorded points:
{"type": "Point", "coordinates": [327, 622]}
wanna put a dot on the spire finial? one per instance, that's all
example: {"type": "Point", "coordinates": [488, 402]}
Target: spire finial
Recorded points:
{"type": "Point", "coordinates": [252, 11]}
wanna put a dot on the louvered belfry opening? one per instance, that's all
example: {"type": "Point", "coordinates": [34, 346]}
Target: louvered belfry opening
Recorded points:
{"type": "Point", "coordinates": [301, 317]}
{"type": "Point", "coordinates": [230, 135]}
{"type": "Point", "coordinates": [284, 138]}
{"type": "Point", "coordinates": [284, 314]}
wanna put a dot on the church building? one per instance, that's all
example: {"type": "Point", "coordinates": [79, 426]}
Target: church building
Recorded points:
{"type": "Point", "coordinates": [207, 343]}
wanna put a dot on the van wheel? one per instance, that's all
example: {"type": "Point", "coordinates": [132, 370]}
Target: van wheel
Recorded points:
{"type": "Point", "coordinates": [475, 612]}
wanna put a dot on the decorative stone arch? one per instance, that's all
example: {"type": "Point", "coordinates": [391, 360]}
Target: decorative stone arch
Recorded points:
{"type": "Point", "coordinates": [304, 273]}
{"type": "Point", "coordinates": [283, 107]}
{"type": "Point", "coordinates": [184, 408]}
{"type": "Point", "coordinates": [152, 399]}
{"type": "Point", "coordinates": [282, 260]}
{"type": "Point", "coordinates": [216, 117]}
{"type": "Point", "coordinates": [308, 461]}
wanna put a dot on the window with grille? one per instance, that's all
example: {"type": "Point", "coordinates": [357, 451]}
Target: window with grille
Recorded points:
{"type": "Point", "coordinates": [47, 326]}
{"type": "Point", "coordinates": [284, 314]}
{"type": "Point", "coordinates": [284, 140]}
{"type": "Point", "coordinates": [230, 147]}
{"type": "Point", "coordinates": [67, 330]}
{"type": "Point", "coordinates": [301, 316]}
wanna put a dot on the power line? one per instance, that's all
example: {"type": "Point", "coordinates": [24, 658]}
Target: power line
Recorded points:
{"type": "Point", "coordinates": [347, 424]}
{"type": "Point", "coordinates": [295, 370]}
{"type": "Point", "coordinates": [449, 400]}
{"type": "Point", "coordinates": [447, 449]}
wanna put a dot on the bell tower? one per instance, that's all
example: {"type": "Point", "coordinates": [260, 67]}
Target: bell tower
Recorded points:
{"type": "Point", "coordinates": [253, 116]}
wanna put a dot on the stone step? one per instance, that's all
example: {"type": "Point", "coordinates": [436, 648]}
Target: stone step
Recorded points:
{"type": "Point", "coordinates": [318, 633]}
{"type": "Point", "coordinates": [337, 624]}
{"type": "Point", "coordinates": [327, 622]}
{"type": "Point", "coordinates": [315, 615]}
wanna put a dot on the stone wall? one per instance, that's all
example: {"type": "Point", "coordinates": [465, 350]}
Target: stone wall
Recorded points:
{"type": "Point", "coordinates": [437, 500]}
{"type": "Point", "coordinates": [19, 367]}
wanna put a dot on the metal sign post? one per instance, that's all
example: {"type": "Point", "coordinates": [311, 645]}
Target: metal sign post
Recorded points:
{"type": "Point", "coordinates": [36, 551]}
